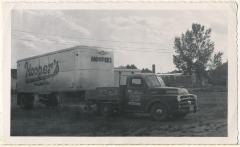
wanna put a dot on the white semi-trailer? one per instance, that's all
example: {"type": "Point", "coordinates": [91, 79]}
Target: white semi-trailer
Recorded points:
{"type": "Point", "coordinates": [73, 70]}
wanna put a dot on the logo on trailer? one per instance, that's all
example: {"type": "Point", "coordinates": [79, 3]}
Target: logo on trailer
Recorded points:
{"type": "Point", "coordinates": [41, 72]}
{"type": "Point", "coordinates": [102, 52]}
{"type": "Point", "coordinates": [101, 59]}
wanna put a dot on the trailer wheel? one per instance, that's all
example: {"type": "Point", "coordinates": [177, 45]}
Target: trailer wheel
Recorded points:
{"type": "Point", "coordinates": [159, 112]}
{"type": "Point", "coordinates": [26, 101]}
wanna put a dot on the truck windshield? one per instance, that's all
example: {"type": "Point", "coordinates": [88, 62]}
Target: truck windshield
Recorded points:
{"type": "Point", "coordinates": [153, 81]}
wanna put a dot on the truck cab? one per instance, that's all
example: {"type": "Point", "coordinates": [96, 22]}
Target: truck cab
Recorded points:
{"type": "Point", "coordinates": [144, 92]}
{"type": "Point", "coordinates": [147, 92]}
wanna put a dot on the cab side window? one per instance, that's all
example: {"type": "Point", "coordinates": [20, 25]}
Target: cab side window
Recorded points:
{"type": "Point", "coordinates": [136, 82]}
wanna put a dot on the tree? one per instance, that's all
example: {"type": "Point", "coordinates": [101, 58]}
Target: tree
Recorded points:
{"type": "Point", "coordinates": [146, 70]}
{"type": "Point", "coordinates": [219, 75]}
{"type": "Point", "coordinates": [194, 50]}
{"type": "Point", "coordinates": [216, 61]}
{"type": "Point", "coordinates": [175, 71]}
{"type": "Point", "coordinates": [132, 66]}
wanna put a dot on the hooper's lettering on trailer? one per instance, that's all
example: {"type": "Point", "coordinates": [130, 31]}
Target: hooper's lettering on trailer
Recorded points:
{"type": "Point", "coordinates": [41, 72]}
{"type": "Point", "coordinates": [101, 59]}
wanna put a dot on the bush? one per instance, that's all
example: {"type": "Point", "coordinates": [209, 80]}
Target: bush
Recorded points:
{"type": "Point", "coordinates": [219, 76]}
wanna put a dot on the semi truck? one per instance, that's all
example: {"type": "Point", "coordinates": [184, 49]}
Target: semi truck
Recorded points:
{"type": "Point", "coordinates": [87, 74]}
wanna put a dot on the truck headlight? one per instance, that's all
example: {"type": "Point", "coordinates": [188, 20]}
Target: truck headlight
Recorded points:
{"type": "Point", "coordinates": [195, 97]}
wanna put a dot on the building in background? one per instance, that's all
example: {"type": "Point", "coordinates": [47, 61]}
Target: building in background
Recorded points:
{"type": "Point", "coordinates": [181, 80]}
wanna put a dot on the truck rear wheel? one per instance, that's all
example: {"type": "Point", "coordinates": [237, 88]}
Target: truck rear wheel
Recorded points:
{"type": "Point", "coordinates": [26, 101]}
{"type": "Point", "coordinates": [159, 112]}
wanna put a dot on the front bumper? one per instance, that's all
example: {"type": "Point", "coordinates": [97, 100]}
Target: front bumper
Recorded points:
{"type": "Point", "coordinates": [187, 103]}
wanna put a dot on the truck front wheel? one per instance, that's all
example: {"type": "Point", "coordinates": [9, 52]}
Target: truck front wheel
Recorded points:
{"type": "Point", "coordinates": [159, 112]}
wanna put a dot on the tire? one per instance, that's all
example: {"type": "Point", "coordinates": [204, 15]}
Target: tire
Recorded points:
{"type": "Point", "coordinates": [26, 101]}
{"type": "Point", "coordinates": [159, 112]}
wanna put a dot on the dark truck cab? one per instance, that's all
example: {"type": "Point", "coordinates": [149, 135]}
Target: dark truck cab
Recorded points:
{"type": "Point", "coordinates": [144, 93]}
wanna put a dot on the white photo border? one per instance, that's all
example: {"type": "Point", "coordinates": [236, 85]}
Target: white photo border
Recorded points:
{"type": "Point", "coordinates": [231, 7]}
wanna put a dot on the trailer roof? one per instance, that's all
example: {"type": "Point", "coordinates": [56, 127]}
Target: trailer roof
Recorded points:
{"type": "Point", "coordinates": [61, 50]}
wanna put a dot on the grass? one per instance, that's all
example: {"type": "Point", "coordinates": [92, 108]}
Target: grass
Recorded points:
{"type": "Point", "coordinates": [211, 120]}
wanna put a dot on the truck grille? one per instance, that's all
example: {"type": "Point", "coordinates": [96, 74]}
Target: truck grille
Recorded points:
{"type": "Point", "coordinates": [186, 101]}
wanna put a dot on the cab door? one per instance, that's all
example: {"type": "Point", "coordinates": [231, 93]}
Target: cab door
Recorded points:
{"type": "Point", "coordinates": [135, 93]}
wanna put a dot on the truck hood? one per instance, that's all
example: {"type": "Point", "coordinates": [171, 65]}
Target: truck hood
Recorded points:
{"type": "Point", "coordinates": [169, 90]}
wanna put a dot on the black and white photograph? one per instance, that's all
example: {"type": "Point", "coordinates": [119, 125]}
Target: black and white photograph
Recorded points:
{"type": "Point", "coordinates": [126, 72]}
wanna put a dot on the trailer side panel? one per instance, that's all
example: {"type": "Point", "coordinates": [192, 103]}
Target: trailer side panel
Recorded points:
{"type": "Point", "coordinates": [78, 69]}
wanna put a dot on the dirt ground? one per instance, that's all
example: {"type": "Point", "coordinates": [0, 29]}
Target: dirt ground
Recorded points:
{"type": "Point", "coordinates": [210, 120]}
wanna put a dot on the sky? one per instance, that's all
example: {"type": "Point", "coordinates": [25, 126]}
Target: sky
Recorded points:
{"type": "Point", "coordinates": [140, 37]}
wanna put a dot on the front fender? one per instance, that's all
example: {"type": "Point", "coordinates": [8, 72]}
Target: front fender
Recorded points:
{"type": "Point", "coordinates": [169, 101]}
{"type": "Point", "coordinates": [154, 101]}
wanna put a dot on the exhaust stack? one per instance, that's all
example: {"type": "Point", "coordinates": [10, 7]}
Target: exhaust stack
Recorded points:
{"type": "Point", "coordinates": [153, 68]}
